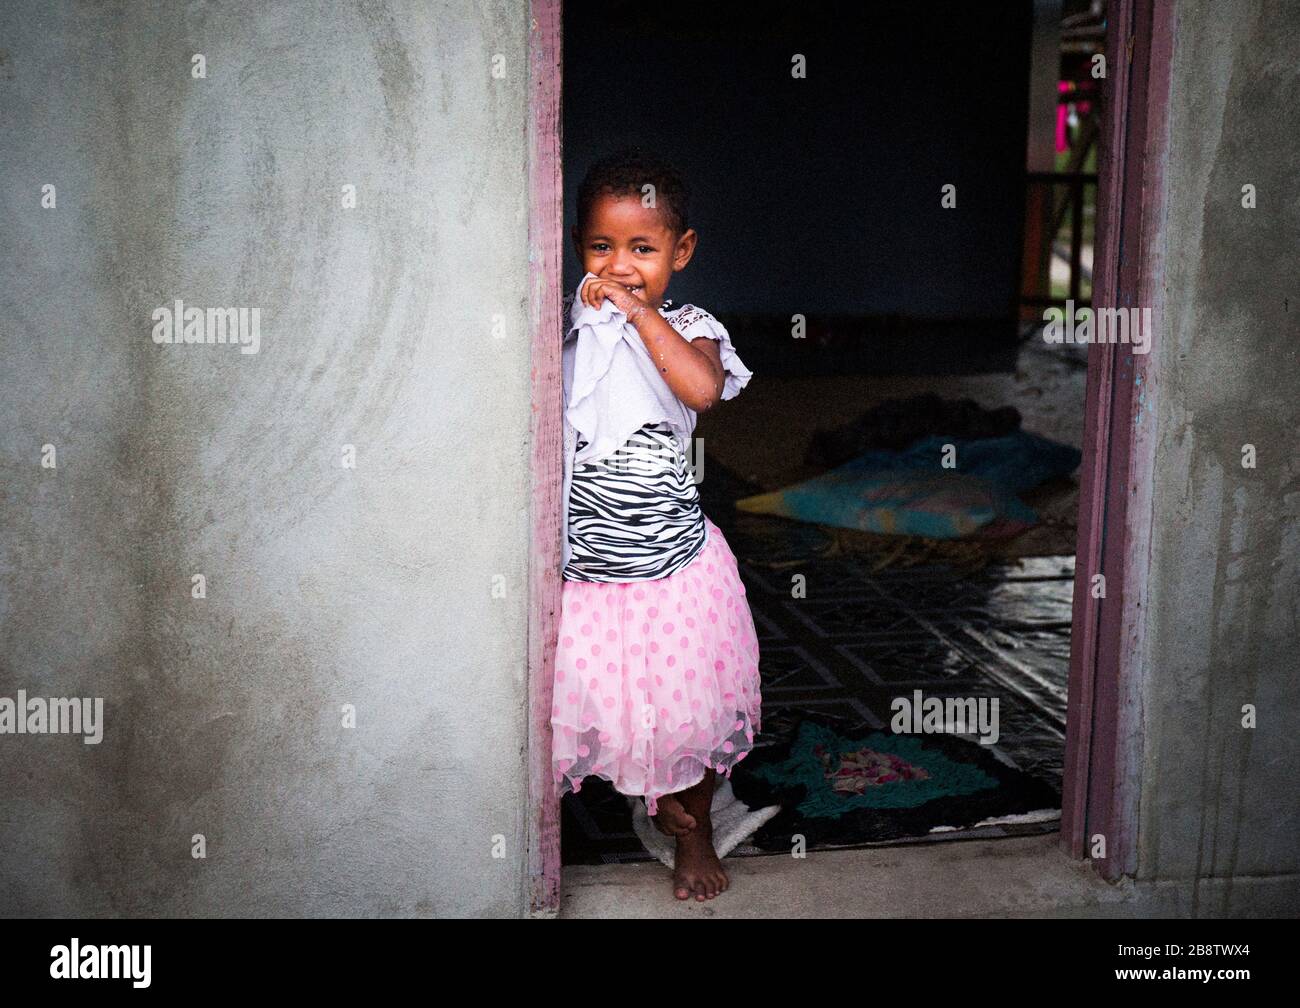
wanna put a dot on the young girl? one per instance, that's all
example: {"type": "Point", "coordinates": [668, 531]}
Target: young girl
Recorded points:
{"type": "Point", "coordinates": [656, 669]}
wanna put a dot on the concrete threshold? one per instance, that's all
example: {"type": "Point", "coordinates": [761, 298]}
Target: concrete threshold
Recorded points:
{"type": "Point", "coordinates": [1013, 877]}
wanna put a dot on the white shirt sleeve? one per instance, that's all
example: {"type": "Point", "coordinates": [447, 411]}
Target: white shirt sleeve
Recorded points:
{"type": "Point", "coordinates": [693, 322]}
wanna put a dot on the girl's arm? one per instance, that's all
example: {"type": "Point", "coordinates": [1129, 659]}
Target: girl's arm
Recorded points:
{"type": "Point", "coordinates": [692, 368]}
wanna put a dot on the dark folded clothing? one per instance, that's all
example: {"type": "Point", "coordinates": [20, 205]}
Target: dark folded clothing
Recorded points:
{"type": "Point", "coordinates": [898, 423]}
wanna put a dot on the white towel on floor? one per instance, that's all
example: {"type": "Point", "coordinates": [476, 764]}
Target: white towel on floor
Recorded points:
{"type": "Point", "coordinates": [733, 823]}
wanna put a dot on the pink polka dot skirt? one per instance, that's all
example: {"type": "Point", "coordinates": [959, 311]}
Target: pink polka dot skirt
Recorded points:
{"type": "Point", "coordinates": [656, 681]}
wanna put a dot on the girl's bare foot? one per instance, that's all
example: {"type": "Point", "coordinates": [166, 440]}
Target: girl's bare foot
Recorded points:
{"type": "Point", "coordinates": [672, 819]}
{"type": "Point", "coordinates": [698, 872]}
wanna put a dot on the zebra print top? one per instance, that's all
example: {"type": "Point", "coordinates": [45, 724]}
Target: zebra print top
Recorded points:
{"type": "Point", "coordinates": [635, 515]}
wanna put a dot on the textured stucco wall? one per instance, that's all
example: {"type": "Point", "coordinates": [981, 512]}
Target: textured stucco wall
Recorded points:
{"type": "Point", "coordinates": [326, 585]}
{"type": "Point", "coordinates": [1218, 799]}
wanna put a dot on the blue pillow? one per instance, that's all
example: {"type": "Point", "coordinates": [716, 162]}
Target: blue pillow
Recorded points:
{"type": "Point", "coordinates": [911, 493]}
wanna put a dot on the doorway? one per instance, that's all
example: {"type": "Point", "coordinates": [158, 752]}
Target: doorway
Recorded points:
{"type": "Point", "coordinates": [865, 348]}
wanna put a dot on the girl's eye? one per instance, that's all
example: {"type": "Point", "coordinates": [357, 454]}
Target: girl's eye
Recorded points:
{"type": "Point", "coordinates": [599, 247]}
{"type": "Point", "coordinates": [645, 249]}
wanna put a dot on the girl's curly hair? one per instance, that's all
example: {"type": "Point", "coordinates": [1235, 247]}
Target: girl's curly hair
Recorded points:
{"type": "Point", "coordinates": [626, 172]}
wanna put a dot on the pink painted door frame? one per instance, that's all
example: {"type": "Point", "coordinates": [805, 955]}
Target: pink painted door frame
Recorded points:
{"type": "Point", "coordinates": [1103, 739]}
{"type": "Point", "coordinates": [1104, 714]}
{"type": "Point", "coordinates": [545, 233]}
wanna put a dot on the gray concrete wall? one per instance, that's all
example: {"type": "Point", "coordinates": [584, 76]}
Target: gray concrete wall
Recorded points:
{"type": "Point", "coordinates": [1219, 800]}
{"type": "Point", "coordinates": [326, 585]}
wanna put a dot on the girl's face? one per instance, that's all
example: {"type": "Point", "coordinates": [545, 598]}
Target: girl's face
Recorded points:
{"type": "Point", "coordinates": [628, 243]}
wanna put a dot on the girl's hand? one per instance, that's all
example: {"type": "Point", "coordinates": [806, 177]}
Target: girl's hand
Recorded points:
{"type": "Point", "coordinates": [595, 290]}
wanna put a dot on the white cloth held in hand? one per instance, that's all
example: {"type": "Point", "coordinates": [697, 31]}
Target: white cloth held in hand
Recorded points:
{"type": "Point", "coordinates": [612, 388]}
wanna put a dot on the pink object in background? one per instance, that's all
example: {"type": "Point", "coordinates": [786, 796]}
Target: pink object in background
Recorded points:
{"type": "Point", "coordinates": [1063, 116]}
{"type": "Point", "coordinates": [1062, 135]}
